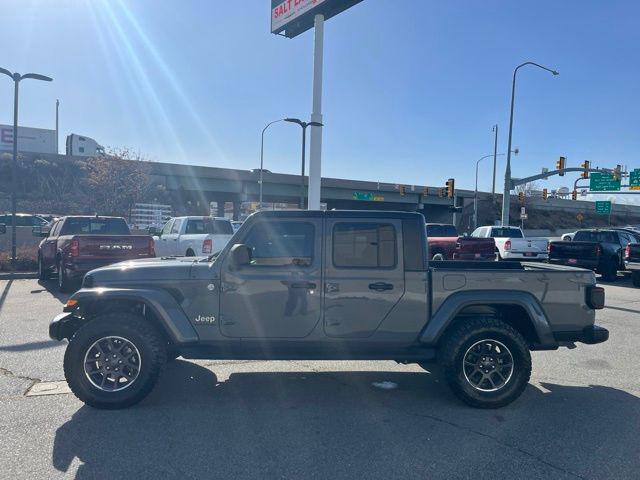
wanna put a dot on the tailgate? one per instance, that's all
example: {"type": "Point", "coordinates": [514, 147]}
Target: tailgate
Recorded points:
{"type": "Point", "coordinates": [574, 250]}
{"type": "Point", "coordinates": [482, 246]}
{"type": "Point", "coordinates": [521, 245]}
{"type": "Point", "coordinates": [113, 246]}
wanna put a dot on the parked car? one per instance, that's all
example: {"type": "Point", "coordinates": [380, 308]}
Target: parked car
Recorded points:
{"type": "Point", "coordinates": [511, 243]}
{"type": "Point", "coordinates": [76, 244]}
{"type": "Point", "coordinates": [324, 285]}
{"type": "Point", "coordinates": [599, 250]}
{"type": "Point", "coordinates": [445, 244]}
{"type": "Point", "coordinates": [23, 220]}
{"type": "Point", "coordinates": [193, 236]}
{"type": "Point", "coordinates": [632, 262]}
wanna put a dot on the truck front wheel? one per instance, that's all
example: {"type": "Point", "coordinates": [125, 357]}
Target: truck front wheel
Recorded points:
{"type": "Point", "coordinates": [114, 360]}
{"type": "Point", "coordinates": [485, 362]}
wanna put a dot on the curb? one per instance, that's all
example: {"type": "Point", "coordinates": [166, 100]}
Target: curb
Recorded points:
{"type": "Point", "coordinates": [18, 275]}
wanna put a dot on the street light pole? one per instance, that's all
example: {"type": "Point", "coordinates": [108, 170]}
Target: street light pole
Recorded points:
{"type": "Point", "coordinates": [16, 77]}
{"type": "Point", "coordinates": [304, 126]}
{"type": "Point", "coordinates": [506, 196]}
{"type": "Point", "coordinates": [495, 151]}
{"type": "Point", "coordinates": [262, 159]}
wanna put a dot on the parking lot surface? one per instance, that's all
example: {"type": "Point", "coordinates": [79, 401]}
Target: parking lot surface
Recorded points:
{"type": "Point", "coordinates": [579, 417]}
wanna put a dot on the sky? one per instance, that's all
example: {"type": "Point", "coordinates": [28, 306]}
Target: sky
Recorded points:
{"type": "Point", "coordinates": [412, 88]}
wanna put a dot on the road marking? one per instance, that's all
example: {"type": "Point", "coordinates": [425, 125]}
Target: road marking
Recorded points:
{"type": "Point", "coordinates": [48, 388]}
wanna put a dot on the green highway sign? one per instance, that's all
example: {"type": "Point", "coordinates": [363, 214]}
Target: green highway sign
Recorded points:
{"type": "Point", "coordinates": [603, 207]}
{"type": "Point", "coordinates": [603, 182]}
{"type": "Point", "coordinates": [368, 196]}
{"type": "Point", "coordinates": [634, 179]}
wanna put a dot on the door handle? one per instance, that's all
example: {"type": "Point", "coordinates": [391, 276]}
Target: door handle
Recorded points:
{"type": "Point", "coordinates": [380, 286]}
{"type": "Point", "coordinates": [305, 285]}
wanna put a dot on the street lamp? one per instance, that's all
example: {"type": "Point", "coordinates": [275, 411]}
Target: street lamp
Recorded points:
{"type": "Point", "coordinates": [262, 158]}
{"type": "Point", "coordinates": [475, 194]}
{"type": "Point", "coordinates": [304, 126]}
{"type": "Point", "coordinates": [16, 77]}
{"type": "Point", "coordinates": [506, 197]}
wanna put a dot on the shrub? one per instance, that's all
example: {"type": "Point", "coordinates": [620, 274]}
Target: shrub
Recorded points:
{"type": "Point", "coordinates": [26, 260]}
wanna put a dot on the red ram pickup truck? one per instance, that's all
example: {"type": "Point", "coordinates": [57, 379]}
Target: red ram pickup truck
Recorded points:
{"type": "Point", "coordinates": [445, 244]}
{"type": "Point", "coordinates": [76, 244]}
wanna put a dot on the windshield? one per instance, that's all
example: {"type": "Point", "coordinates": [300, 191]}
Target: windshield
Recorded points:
{"type": "Point", "coordinates": [95, 226]}
{"type": "Point", "coordinates": [437, 230]}
{"type": "Point", "coordinates": [591, 236]}
{"type": "Point", "coordinates": [506, 232]}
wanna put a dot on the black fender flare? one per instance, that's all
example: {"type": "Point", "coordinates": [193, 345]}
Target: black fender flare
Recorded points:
{"type": "Point", "coordinates": [453, 305]}
{"type": "Point", "coordinates": [165, 308]}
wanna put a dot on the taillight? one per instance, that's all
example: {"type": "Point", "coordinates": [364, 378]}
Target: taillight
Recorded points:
{"type": "Point", "coordinates": [548, 248]}
{"type": "Point", "coordinates": [207, 246]}
{"type": "Point", "coordinates": [595, 297]}
{"type": "Point", "coordinates": [507, 245]}
{"type": "Point", "coordinates": [627, 251]}
{"type": "Point", "coordinates": [598, 250]}
{"type": "Point", "coordinates": [152, 248]}
{"type": "Point", "coordinates": [74, 248]}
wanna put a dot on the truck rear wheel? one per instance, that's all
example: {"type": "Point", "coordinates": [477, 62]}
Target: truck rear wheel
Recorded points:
{"type": "Point", "coordinates": [438, 257]}
{"type": "Point", "coordinates": [114, 360]}
{"type": "Point", "coordinates": [64, 284]}
{"type": "Point", "coordinates": [610, 270]}
{"type": "Point", "coordinates": [486, 362]}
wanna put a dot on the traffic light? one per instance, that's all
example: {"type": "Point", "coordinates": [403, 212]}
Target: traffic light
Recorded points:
{"type": "Point", "coordinates": [586, 165]}
{"type": "Point", "coordinates": [442, 192]}
{"type": "Point", "coordinates": [545, 193]}
{"type": "Point", "coordinates": [574, 195]}
{"type": "Point", "coordinates": [425, 190]}
{"type": "Point", "coordinates": [451, 185]}
{"type": "Point", "coordinates": [402, 190]}
{"type": "Point", "coordinates": [617, 173]}
{"type": "Point", "coordinates": [521, 198]}
{"type": "Point", "coordinates": [560, 164]}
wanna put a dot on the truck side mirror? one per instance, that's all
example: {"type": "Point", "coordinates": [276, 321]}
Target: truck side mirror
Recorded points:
{"type": "Point", "coordinates": [153, 231]}
{"type": "Point", "coordinates": [40, 231]}
{"type": "Point", "coordinates": [240, 255]}
{"type": "Point", "coordinates": [3, 229]}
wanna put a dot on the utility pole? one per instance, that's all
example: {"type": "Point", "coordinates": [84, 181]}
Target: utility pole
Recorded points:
{"type": "Point", "coordinates": [57, 126]}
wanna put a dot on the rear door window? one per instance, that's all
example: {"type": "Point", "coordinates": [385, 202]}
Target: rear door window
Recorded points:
{"type": "Point", "coordinates": [364, 245]}
{"type": "Point", "coordinates": [506, 232]}
{"type": "Point", "coordinates": [281, 244]}
{"type": "Point", "coordinates": [441, 231]}
{"type": "Point", "coordinates": [587, 236]}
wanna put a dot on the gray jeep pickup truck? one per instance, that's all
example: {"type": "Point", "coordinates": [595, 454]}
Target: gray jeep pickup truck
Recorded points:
{"type": "Point", "coordinates": [324, 285]}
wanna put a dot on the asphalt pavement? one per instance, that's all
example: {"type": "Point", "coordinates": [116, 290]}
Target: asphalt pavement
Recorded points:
{"type": "Point", "coordinates": [579, 417]}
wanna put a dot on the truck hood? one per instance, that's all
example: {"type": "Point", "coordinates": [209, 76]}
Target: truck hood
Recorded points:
{"type": "Point", "coordinates": [169, 268]}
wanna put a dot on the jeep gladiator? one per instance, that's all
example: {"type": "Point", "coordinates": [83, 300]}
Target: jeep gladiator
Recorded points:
{"type": "Point", "coordinates": [324, 285]}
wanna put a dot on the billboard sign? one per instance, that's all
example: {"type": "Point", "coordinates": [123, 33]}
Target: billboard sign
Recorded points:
{"type": "Point", "coordinates": [293, 17]}
{"type": "Point", "coordinates": [634, 179]}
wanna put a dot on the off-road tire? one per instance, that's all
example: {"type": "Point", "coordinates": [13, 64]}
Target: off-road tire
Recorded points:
{"type": "Point", "coordinates": [64, 283]}
{"type": "Point", "coordinates": [455, 345]}
{"type": "Point", "coordinates": [136, 330]}
{"type": "Point", "coordinates": [635, 279]}
{"type": "Point", "coordinates": [190, 253]}
{"type": "Point", "coordinates": [438, 257]}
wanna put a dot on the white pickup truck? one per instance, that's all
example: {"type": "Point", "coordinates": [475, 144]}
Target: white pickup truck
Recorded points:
{"type": "Point", "coordinates": [193, 236]}
{"type": "Point", "coordinates": [511, 244]}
